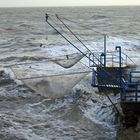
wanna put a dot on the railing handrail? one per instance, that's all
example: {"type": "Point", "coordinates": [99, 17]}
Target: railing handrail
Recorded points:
{"type": "Point", "coordinates": [135, 71]}
{"type": "Point", "coordinates": [112, 55]}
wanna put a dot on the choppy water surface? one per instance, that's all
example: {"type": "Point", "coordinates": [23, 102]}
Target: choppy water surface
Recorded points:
{"type": "Point", "coordinates": [85, 115]}
{"type": "Point", "coordinates": [26, 115]}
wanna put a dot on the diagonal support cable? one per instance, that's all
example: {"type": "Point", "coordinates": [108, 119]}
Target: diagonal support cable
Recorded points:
{"type": "Point", "coordinates": [78, 38]}
{"type": "Point", "coordinates": [117, 110]}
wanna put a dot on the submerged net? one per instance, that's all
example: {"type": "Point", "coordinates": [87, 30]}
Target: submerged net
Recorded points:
{"type": "Point", "coordinates": [69, 60]}
{"type": "Point", "coordinates": [49, 79]}
{"type": "Point", "coordinates": [65, 56]}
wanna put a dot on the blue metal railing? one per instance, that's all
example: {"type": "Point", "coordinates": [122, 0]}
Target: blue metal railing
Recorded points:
{"type": "Point", "coordinates": [129, 85]}
{"type": "Point", "coordinates": [134, 76]}
{"type": "Point", "coordinates": [131, 91]}
{"type": "Point", "coordinates": [112, 59]}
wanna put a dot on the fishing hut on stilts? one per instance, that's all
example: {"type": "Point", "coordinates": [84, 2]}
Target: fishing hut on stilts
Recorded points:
{"type": "Point", "coordinates": [111, 72]}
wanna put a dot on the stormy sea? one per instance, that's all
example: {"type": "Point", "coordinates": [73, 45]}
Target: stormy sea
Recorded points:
{"type": "Point", "coordinates": [84, 113]}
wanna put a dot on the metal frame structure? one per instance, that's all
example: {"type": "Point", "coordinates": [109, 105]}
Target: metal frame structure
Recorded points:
{"type": "Point", "coordinates": [129, 89]}
{"type": "Point", "coordinates": [129, 85]}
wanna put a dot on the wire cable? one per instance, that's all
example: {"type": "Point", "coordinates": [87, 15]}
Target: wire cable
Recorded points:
{"type": "Point", "coordinates": [86, 57]}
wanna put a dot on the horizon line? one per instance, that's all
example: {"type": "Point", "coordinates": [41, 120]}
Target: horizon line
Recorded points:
{"type": "Point", "coordinates": [67, 6]}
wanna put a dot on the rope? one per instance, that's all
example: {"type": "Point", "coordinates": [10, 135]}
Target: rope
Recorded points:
{"type": "Point", "coordinates": [69, 29]}
{"type": "Point", "coordinates": [73, 33]}
{"type": "Point", "coordinates": [69, 41]}
{"type": "Point", "coordinates": [83, 26]}
{"type": "Point", "coordinates": [55, 75]}
{"type": "Point", "coordinates": [77, 38]}
{"type": "Point", "coordinates": [60, 57]}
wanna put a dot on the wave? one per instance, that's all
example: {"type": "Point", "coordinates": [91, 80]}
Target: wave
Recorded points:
{"type": "Point", "coordinates": [25, 25]}
{"type": "Point", "coordinates": [96, 17]}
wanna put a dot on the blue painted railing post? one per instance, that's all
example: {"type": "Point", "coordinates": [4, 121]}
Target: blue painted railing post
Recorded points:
{"type": "Point", "coordinates": [136, 94]}
{"type": "Point", "coordinates": [101, 59]}
{"type": "Point", "coordinates": [104, 50]}
{"type": "Point", "coordinates": [130, 77]}
{"type": "Point", "coordinates": [89, 60]}
{"type": "Point", "coordinates": [93, 77]}
{"type": "Point", "coordinates": [120, 72]}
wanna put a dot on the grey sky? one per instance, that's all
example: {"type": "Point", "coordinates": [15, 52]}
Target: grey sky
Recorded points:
{"type": "Point", "coordinates": [24, 3]}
